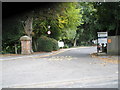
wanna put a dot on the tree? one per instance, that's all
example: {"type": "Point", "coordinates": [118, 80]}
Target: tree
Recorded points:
{"type": "Point", "coordinates": [69, 21]}
{"type": "Point", "coordinates": [99, 16]}
{"type": "Point", "coordinates": [72, 22]}
{"type": "Point", "coordinates": [63, 19]}
{"type": "Point", "coordinates": [28, 29]}
{"type": "Point", "coordinates": [11, 32]}
{"type": "Point", "coordinates": [108, 17]}
{"type": "Point", "coordinates": [86, 31]}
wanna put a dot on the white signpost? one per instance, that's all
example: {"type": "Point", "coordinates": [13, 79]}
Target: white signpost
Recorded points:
{"type": "Point", "coordinates": [61, 44]}
{"type": "Point", "coordinates": [102, 37]}
{"type": "Point", "coordinates": [101, 41]}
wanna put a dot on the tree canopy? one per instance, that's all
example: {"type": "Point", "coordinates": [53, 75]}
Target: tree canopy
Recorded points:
{"type": "Point", "coordinates": [72, 22]}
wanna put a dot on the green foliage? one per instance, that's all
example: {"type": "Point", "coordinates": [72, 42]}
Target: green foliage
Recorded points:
{"type": "Point", "coordinates": [108, 14]}
{"type": "Point", "coordinates": [87, 30]}
{"type": "Point", "coordinates": [47, 44]}
{"type": "Point", "coordinates": [11, 33]}
{"type": "Point", "coordinates": [63, 19]}
{"type": "Point", "coordinates": [55, 44]}
{"type": "Point", "coordinates": [44, 44]}
{"type": "Point", "coordinates": [66, 46]}
{"type": "Point", "coordinates": [70, 22]}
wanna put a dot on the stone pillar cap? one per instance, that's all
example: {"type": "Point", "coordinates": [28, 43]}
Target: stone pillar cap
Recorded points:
{"type": "Point", "coordinates": [25, 38]}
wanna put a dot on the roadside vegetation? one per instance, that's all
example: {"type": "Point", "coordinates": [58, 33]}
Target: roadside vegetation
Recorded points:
{"type": "Point", "coordinates": [75, 23]}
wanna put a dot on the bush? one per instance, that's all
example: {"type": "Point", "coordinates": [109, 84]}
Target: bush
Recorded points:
{"type": "Point", "coordinates": [55, 44]}
{"type": "Point", "coordinates": [84, 44]}
{"type": "Point", "coordinates": [66, 46]}
{"type": "Point", "coordinates": [47, 44]}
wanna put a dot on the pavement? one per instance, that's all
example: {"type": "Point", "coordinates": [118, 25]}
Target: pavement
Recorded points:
{"type": "Point", "coordinates": [7, 57]}
{"type": "Point", "coordinates": [66, 68]}
{"type": "Point", "coordinates": [107, 58]}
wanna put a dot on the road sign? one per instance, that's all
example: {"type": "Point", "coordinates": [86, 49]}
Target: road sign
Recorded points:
{"type": "Point", "coordinates": [102, 37]}
{"type": "Point", "coordinates": [109, 40]}
{"type": "Point", "coordinates": [102, 34]}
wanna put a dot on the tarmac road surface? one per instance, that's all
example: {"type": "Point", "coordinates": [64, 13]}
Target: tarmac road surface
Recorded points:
{"type": "Point", "coordinates": [72, 68]}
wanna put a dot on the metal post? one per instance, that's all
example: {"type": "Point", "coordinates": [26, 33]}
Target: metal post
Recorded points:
{"type": "Point", "coordinates": [97, 46]}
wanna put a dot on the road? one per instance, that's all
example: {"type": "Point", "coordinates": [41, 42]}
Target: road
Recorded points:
{"type": "Point", "coordinates": [72, 68]}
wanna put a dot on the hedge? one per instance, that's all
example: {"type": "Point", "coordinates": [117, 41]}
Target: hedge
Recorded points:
{"type": "Point", "coordinates": [47, 44]}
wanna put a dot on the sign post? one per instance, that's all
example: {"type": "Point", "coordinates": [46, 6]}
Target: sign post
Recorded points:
{"type": "Point", "coordinates": [101, 40]}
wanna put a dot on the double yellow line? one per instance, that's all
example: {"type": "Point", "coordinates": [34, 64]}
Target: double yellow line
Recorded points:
{"type": "Point", "coordinates": [58, 52]}
{"type": "Point", "coordinates": [55, 53]}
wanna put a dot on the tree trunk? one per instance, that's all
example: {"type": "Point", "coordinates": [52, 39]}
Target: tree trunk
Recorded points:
{"type": "Point", "coordinates": [35, 45]}
{"type": "Point", "coordinates": [117, 27]}
{"type": "Point", "coordinates": [31, 46]}
{"type": "Point", "coordinates": [75, 42]}
{"type": "Point", "coordinates": [28, 29]}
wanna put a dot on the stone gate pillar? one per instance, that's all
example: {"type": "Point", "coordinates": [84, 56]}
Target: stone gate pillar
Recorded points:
{"type": "Point", "coordinates": [25, 45]}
